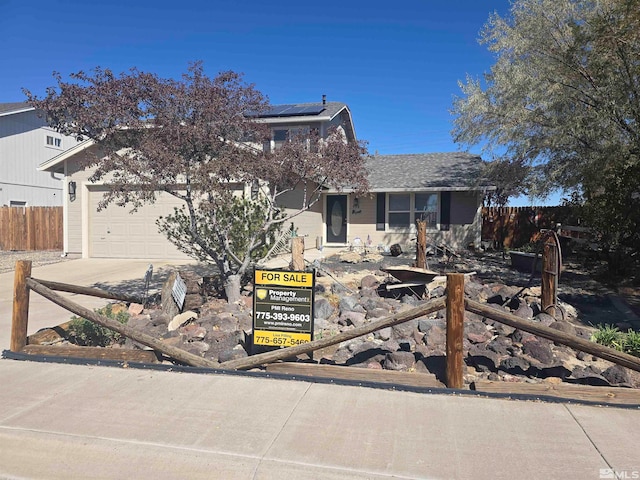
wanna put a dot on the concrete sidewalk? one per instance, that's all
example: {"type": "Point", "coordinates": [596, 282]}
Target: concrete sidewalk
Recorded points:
{"type": "Point", "coordinates": [67, 421]}
{"type": "Point", "coordinates": [70, 421]}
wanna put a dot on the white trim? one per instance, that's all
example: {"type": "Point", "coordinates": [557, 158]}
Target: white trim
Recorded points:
{"type": "Point", "coordinates": [65, 209]}
{"type": "Point", "coordinates": [55, 161]}
{"type": "Point", "coordinates": [85, 218]}
{"type": "Point", "coordinates": [14, 112]}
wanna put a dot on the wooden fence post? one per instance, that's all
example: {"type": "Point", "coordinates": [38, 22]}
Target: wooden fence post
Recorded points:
{"type": "Point", "coordinates": [421, 244]}
{"type": "Point", "coordinates": [20, 318]}
{"type": "Point", "coordinates": [455, 329]}
{"type": "Point", "coordinates": [297, 253]}
{"type": "Point", "coordinates": [550, 271]}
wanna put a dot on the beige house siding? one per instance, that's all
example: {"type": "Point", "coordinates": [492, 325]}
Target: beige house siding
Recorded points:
{"type": "Point", "coordinates": [77, 207]}
{"type": "Point", "coordinates": [362, 220]}
{"type": "Point", "coordinates": [308, 223]}
{"type": "Point", "coordinates": [464, 229]}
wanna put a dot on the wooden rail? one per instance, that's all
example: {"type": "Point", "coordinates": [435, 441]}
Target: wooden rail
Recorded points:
{"type": "Point", "coordinates": [93, 292]}
{"type": "Point", "coordinates": [556, 336]}
{"type": "Point", "coordinates": [270, 357]}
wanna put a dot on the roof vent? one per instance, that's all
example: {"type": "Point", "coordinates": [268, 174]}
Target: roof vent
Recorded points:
{"type": "Point", "coordinates": [324, 99]}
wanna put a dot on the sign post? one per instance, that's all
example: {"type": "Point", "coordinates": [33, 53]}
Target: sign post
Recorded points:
{"type": "Point", "coordinates": [283, 307]}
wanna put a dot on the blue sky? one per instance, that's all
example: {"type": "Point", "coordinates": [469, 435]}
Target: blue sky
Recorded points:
{"type": "Point", "coordinates": [396, 64]}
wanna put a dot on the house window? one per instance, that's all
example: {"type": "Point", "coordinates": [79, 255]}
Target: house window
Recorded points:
{"type": "Point", "coordinates": [405, 208]}
{"type": "Point", "coordinates": [53, 141]}
{"type": "Point", "coordinates": [279, 137]}
{"type": "Point", "coordinates": [399, 210]}
{"type": "Point", "coordinates": [426, 208]}
{"type": "Point", "coordinates": [282, 135]}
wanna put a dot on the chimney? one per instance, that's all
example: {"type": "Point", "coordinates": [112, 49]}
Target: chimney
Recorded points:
{"type": "Point", "coordinates": [324, 100]}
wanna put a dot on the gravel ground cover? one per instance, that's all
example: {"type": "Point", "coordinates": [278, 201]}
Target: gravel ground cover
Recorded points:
{"type": "Point", "coordinates": [8, 259]}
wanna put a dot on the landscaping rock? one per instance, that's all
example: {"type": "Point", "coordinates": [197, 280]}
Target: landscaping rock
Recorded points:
{"type": "Point", "coordinates": [544, 319]}
{"type": "Point", "coordinates": [482, 358]}
{"type": "Point", "coordinates": [589, 375]}
{"type": "Point", "coordinates": [565, 327]}
{"type": "Point", "coordinates": [515, 365]}
{"type": "Point", "coordinates": [180, 319]}
{"type": "Point", "coordinates": [323, 309]}
{"type": "Point", "coordinates": [369, 281]}
{"type": "Point", "coordinates": [399, 361]}
{"type": "Point", "coordinates": [404, 330]}
{"type": "Point", "coordinates": [617, 375]}
{"type": "Point", "coordinates": [538, 350]}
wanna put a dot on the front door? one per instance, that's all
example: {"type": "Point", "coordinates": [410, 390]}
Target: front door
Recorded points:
{"type": "Point", "coordinates": [336, 219]}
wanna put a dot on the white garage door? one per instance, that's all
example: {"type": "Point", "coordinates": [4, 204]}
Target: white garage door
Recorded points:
{"type": "Point", "coordinates": [116, 233]}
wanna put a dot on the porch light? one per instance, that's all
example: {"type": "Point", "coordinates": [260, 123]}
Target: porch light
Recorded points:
{"type": "Point", "coordinates": [72, 190]}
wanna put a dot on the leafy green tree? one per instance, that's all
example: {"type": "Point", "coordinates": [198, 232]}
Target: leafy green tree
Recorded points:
{"type": "Point", "coordinates": [560, 107]}
{"type": "Point", "coordinates": [199, 139]}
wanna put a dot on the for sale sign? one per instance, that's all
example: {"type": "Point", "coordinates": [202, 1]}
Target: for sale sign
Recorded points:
{"type": "Point", "coordinates": [282, 307]}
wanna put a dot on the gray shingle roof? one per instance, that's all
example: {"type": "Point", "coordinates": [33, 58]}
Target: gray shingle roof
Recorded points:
{"type": "Point", "coordinates": [330, 108]}
{"type": "Point", "coordinates": [13, 107]}
{"type": "Point", "coordinates": [425, 171]}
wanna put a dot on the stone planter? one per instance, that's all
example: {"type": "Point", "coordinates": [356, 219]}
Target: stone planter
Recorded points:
{"type": "Point", "coordinates": [523, 261]}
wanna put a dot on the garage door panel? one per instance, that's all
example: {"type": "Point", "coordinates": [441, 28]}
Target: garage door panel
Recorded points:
{"type": "Point", "coordinates": [116, 232]}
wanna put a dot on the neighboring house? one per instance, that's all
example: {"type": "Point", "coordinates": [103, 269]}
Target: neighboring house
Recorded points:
{"type": "Point", "coordinates": [442, 186]}
{"type": "Point", "coordinates": [25, 142]}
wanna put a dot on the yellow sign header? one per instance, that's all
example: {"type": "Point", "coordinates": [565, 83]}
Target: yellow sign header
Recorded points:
{"type": "Point", "coordinates": [283, 278]}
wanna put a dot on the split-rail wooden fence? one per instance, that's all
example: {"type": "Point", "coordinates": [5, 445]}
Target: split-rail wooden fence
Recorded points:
{"type": "Point", "coordinates": [454, 303]}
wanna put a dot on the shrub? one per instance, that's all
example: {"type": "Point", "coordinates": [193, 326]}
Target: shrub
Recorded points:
{"type": "Point", "coordinates": [87, 333]}
{"type": "Point", "coordinates": [610, 336]}
{"type": "Point", "coordinates": [632, 343]}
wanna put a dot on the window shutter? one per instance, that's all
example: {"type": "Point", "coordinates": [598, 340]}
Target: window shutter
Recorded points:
{"type": "Point", "coordinates": [445, 210]}
{"type": "Point", "coordinates": [381, 201]}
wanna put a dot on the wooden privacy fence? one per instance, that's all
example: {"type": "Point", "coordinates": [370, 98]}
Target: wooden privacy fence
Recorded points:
{"type": "Point", "coordinates": [512, 227]}
{"type": "Point", "coordinates": [31, 228]}
{"type": "Point", "coordinates": [454, 302]}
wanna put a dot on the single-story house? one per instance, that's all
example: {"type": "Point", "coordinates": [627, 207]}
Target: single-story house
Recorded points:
{"type": "Point", "coordinates": [441, 188]}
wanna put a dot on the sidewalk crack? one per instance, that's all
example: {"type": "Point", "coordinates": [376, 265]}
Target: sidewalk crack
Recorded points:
{"type": "Point", "coordinates": [604, 459]}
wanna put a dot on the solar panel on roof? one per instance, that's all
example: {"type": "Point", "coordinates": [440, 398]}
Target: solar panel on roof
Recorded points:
{"type": "Point", "coordinates": [312, 109]}
{"type": "Point", "coordinates": [289, 111]}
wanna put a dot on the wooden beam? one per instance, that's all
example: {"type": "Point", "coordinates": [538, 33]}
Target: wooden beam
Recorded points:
{"type": "Point", "coordinates": [411, 379]}
{"type": "Point", "coordinates": [283, 353]}
{"type": "Point", "coordinates": [93, 292]}
{"type": "Point", "coordinates": [47, 336]}
{"type": "Point", "coordinates": [20, 315]}
{"type": "Point", "coordinates": [620, 358]}
{"type": "Point", "coordinates": [455, 329]}
{"type": "Point", "coordinates": [617, 395]}
{"type": "Point", "coordinates": [143, 338]}
{"type": "Point", "coordinates": [97, 353]}
{"type": "Point", "coordinates": [297, 254]}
